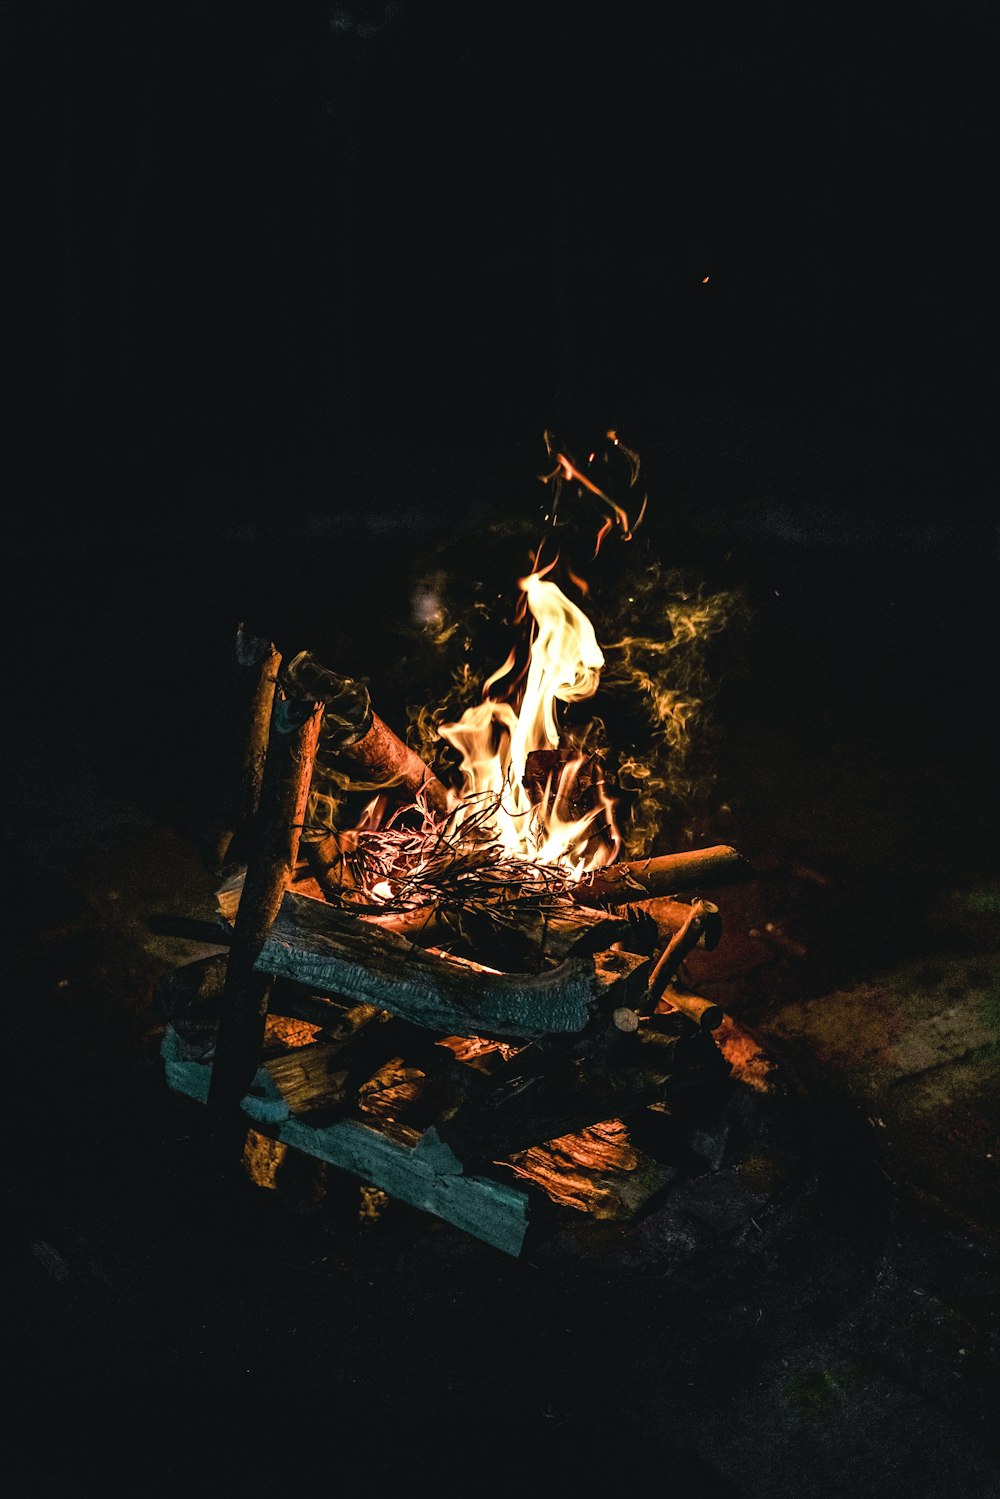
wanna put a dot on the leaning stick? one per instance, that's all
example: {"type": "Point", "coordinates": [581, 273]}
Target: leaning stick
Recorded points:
{"type": "Point", "coordinates": [670, 915]}
{"type": "Point", "coordinates": [292, 738]}
{"type": "Point", "coordinates": [257, 661]}
{"type": "Point", "coordinates": [681, 943]}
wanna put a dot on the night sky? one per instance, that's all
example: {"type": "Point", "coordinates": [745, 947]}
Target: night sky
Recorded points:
{"type": "Point", "coordinates": [247, 243]}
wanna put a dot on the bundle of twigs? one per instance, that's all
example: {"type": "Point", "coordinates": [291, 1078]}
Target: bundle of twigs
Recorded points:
{"type": "Point", "coordinates": [448, 862]}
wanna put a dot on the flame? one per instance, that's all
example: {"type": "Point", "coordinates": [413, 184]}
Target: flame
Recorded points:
{"type": "Point", "coordinates": [495, 740]}
{"type": "Point", "coordinates": [532, 791]}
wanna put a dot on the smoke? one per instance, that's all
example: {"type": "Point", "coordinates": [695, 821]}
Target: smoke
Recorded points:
{"type": "Point", "coordinates": [664, 650]}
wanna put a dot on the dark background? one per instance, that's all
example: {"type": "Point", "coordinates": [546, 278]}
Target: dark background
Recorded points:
{"type": "Point", "coordinates": [251, 244]}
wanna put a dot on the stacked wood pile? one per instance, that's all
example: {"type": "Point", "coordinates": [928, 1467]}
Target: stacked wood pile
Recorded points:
{"type": "Point", "coordinates": [536, 1060]}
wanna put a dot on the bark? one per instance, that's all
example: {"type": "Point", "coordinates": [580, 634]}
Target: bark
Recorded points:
{"type": "Point", "coordinates": [256, 663]}
{"type": "Point", "coordinates": [669, 874]}
{"type": "Point", "coordinates": [389, 762]}
{"type": "Point", "coordinates": [292, 739]}
{"type": "Point", "coordinates": [683, 941]}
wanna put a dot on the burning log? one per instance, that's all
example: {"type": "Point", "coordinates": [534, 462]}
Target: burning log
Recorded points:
{"type": "Point", "coordinates": [292, 739]}
{"type": "Point", "coordinates": [699, 869]}
{"type": "Point", "coordinates": [571, 787]}
{"type": "Point", "coordinates": [314, 944]}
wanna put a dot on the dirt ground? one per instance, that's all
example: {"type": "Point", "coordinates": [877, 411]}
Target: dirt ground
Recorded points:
{"type": "Point", "coordinates": [166, 1328]}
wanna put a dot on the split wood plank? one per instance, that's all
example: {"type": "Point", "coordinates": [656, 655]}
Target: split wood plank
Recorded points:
{"type": "Point", "coordinates": [312, 943]}
{"type": "Point", "coordinates": [489, 1210]}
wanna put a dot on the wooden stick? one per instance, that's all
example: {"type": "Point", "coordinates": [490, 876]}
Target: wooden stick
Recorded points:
{"type": "Point", "coordinates": [352, 731]}
{"type": "Point", "coordinates": [699, 869]}
{"type": "Point", "coordinates": [705, 1014]}
{"type": "Point", "coordinates": [390, 762]}
{"type": "Point", "coordinates": [257, 662]}
{"type": "Point", "coordinates": [677, 949]}
{"type": "Point", "coordinates": [669, 916]}
{"type": "Point", "coordinates": [292, 738]}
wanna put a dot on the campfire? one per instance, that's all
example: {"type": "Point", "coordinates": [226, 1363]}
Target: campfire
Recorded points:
{"type": "Point", "coordinates": [471, 994]}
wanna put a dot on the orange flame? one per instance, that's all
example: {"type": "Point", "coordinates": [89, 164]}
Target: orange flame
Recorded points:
{"type": "Point", "coordinates": [495, 740]}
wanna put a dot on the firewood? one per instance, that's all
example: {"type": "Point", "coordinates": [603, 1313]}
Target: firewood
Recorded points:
{"type": "Point", "coordinates": [490, 1210]}
{"type": "Point", "coordinates": [390, 762]}
{"type": "Point", "coordinates": [701, 915]}
{"type": "Point", "coordinates": [669, 916]}
{"type": "Point", "coordinates": [634, 879]}
{"type": "Point", "coordinates": [313, 943]}
{"type": "Point", "coordinates": [424, 1174]}
{"type": "Point", "coordinates": [352, 731]}
{"type": "Point", "coordinates": [519, 934]}
{"type": "Point", "coordinates": [299, 1082]}
{"type": "Point", "coordinates": [256, 663]}
{"type": "Point", "coordinates": [292, 738]}
{"type": "Point", "coordinates": [597, 1171]}
{"type": "Point", "coordinates": [706, 1014]}
{"type": "Point", "coordinates": [527, 1110]}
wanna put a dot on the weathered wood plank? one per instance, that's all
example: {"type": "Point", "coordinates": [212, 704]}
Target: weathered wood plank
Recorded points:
{"type": "Point", "coordinates": [313, 944]}
{"type": "Point", "coordinates": [425, 1176]}
{"type": "Point", "coordinates": [489, 1210]}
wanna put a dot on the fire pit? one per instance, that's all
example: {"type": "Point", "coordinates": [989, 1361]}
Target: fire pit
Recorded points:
{"type": "Point", "coordinates": [468, 997]}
